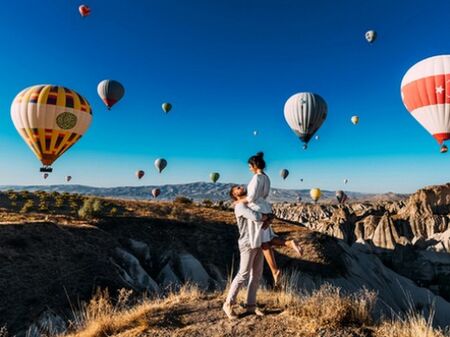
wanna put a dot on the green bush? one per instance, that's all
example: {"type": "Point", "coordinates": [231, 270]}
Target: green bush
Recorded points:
{"type": "Point", "coordinates": [27, 206]}
{"type": "Point", "coordinates": [182, 200]}
{"type": "Point", "coordinates": [91, 208]}
{"type": "Point", "coordinates": [43, 207]}
{"type": "Point", "coordinates": [114, 211]}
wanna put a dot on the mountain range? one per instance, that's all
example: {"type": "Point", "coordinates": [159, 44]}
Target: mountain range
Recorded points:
{"type": "Point", "coordinates": [197, 191]}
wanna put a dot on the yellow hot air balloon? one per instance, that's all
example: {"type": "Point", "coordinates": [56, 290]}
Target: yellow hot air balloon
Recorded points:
{"type": "Point", "coordinates": [50, 119]}
{"type": "Point", "coordinates": [315, 194]}
{"type": "Point", "coordinates": [355, 120]}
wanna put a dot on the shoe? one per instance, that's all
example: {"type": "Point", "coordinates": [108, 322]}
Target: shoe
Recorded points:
{"type": "Point", "coordinates": [253, 310]}
{"type": "Point", "coordinates": [228, 309]}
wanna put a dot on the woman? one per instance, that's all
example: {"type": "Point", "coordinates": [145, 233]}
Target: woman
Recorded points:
{"type": "Point", "coordinates": [262, 235]}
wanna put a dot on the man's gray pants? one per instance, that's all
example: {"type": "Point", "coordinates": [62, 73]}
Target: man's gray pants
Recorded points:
{"type": "Point", "coordinates": [250, 269]}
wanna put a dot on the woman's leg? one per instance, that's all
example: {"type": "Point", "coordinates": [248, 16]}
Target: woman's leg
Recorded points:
{"type": "Point", "coordinates": [270, 258]}
{"type": "Point", "coordinates": [276, 241]}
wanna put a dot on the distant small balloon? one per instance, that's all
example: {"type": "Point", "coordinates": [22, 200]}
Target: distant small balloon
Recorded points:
{"type": "Point", "coordinates": [284, 173]}
{"type": "Point", "coordinates": [156, 192]}
{"type": "Point", "coordinates": [140, 174]}
{"type": "Point", "coordinates": [371, 36]}
{"type": "Point", "coordinates": [317, 137]}
{"type": "Point", "coordinates": [255, 133]}
{"type": "Point", "coordinates": [84, 10]}
{"type": "Point", "coordinates": [110, 91]}
{"type": "Point", "coordinates": [444, 148]}
{"type": "Point", "coordinates": [345, 181]}
{"type": "Point", "coordinates": [214, 176]}
{"type": "Point", "coordinates": [68, 178]}
{"type": "Point", "coordinates": [315, 194]}
{"type": "Point", "coordinates": [160, 164]}
{"type": "Point", "coordinates": [301, 179]}
{"type": "Point", "coordinates": [355, 120]}
{"type": "Point", "coordinates": [166, 107]}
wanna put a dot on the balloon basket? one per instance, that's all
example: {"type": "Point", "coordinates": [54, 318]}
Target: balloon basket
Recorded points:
{"type": "Point", "coordinates": [46, 169]}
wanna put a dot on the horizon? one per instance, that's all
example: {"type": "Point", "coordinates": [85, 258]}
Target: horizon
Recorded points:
{"type": "Point", "coordinates": [228, 68]}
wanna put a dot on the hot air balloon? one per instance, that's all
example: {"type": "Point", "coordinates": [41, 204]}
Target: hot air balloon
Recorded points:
{"type": "Point", "coordinates": [425, 91]}
{"type": "Point", "coordinates": [301, 179]}
{"type": "Point", "coordinates": [305, 112]}
{"type": "Point", "coordinates": [371, 36]}
{"type": "Point", "coordinates": [110, 91]}
{"type": "Point", "coordinates": [84, 10]}
{"type": "Point", "coordinates": [166, 107]}
{"type": "Point", "coordinates": [160, 164]}
{"type": "Point", "coordinates": [444, 148]}
{"type": "Point", "coordinates": [214, 176]}
{"type": "Point", "coordinates": [140, 174]}
{"type": "Point", "coordinates": [156, 192]}
{"type": "Point", "coordinates": [68, 178]}
{"type": "Point", "coordinates": [45, 175]}
{"type": "Point", "coordinates": [50, 119]}
{"type": "Point", "coordinates": [341, 196]}
{"type": "Point", "coordinates": [284, 173]}
{"type": "Point", "coordinates": [315, 194]}
{"type": "Point", "coordinates": [345, 181]}
{"type": "Point", "coordinates": [255, 133]}
{"type": "Point", "coordinates": [317, 137]}
{"type": "Point", "coordinates": [355, 120]}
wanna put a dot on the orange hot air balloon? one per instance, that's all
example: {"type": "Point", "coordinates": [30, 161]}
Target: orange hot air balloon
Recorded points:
{"type": "Point", "coordinates": [50, 119]}
{"type": "Point", "coordinates": [84, 10]}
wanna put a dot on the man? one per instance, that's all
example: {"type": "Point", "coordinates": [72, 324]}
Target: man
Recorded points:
{"type": "Point", "coordinates": [251, 259]}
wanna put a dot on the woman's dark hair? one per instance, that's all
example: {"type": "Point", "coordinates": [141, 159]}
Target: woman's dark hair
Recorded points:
{"type": "Point", "coordinates": [257, 161]}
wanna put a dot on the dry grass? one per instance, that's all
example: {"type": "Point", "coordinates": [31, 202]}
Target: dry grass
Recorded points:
{"type": "Point", "coordinates": [190, 312]}
{"type": "Point", "coordinates": [414, 325]}
{"type": "Point", "coordinates": [101, 317]}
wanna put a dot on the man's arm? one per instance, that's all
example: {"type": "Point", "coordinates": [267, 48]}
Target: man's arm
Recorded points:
{"type": "Point", "coordinates": [242, 210]}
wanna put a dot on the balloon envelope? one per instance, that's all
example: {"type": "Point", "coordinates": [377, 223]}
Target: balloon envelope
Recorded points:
{"type": "Point", "coordinates": [425, 93]}
{"type": "Point", "coordinates": [160, 164]}
{"type": "Point", "coordinates": [166, 107]}
{"type": "Point", "coordinates": [156, 192]}
{"type": "Point", "coordinates": [68, 178]}
{"type": "Point", "coordinates": [371, 36]}
{"type": "Point", "coordinates": [355, 120]}
{"type": "Point", "coordinates": [284, 173]}
{"type": "Point", "coordinates": [50, 119]}
{"type": "Point", "coordinates": [140, 174]}
{"type": "Point", "coordinates": [305, 113]}
{"type": "Point", "coordinates": [214, 176]}
{"type": "Point", "coordinates": [84, 10]}
{"type": "Point", "coordinates": [315, 194]}
{"type": "Point", "coordinates": [110, 91]}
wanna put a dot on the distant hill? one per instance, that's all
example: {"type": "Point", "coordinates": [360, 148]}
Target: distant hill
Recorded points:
{"type": "Point", "coordinates": [196, 191]}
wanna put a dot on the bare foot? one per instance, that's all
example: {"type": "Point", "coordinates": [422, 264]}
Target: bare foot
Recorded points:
{"type": "Point", "coordinates": [296, 247]}
{"type": "Point", "coordinates": [277, 278]}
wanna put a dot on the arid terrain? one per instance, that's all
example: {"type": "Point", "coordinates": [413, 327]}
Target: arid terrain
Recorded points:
{"type": "Point", "coordinates": [57, 250]}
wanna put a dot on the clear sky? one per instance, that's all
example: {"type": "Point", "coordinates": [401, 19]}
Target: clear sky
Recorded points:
{"type": "Point", "coordinates": [228, 66]}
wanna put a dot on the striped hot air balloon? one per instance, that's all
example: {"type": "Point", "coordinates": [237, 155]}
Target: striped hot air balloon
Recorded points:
{"type": "Point", "coordinates": [425, 91]}
{"type": "Point", "coordinates": [305, 112]}
{"type": "Point", "coordinates": [50, 119]}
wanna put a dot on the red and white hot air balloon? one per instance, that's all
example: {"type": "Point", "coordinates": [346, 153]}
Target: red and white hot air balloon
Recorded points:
{"type": "Point", "coordinates": [425, 92]}
{"type": "Point", "coordinates": [84, 10]}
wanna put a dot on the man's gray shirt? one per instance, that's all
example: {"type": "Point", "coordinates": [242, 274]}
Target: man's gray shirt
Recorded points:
{"type": "Point", "coordinates": [243, 216]}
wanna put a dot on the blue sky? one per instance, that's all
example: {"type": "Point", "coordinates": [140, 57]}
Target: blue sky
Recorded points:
{"type": "Point", "coordinates": [228, 67]}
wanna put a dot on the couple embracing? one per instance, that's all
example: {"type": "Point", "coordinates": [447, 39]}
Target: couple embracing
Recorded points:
{"type": "Point", "coordinates": [256, 237]}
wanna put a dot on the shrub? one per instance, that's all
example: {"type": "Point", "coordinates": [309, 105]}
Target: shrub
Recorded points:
{"type": "Point", "coordinates": [114, 211]}
{"type": "Point", "coordinates": [92, 207]}
{"type": "Point", "coordinates": [59, 201]}
{"type": "Point", "coordinates": [182, 200]}
{"type": "Point", "coordinates": [43, 207]}
{"type": "Point", "coordinates": [27, 206]}
{"type": "Point", "coordinates": [207, 203]}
